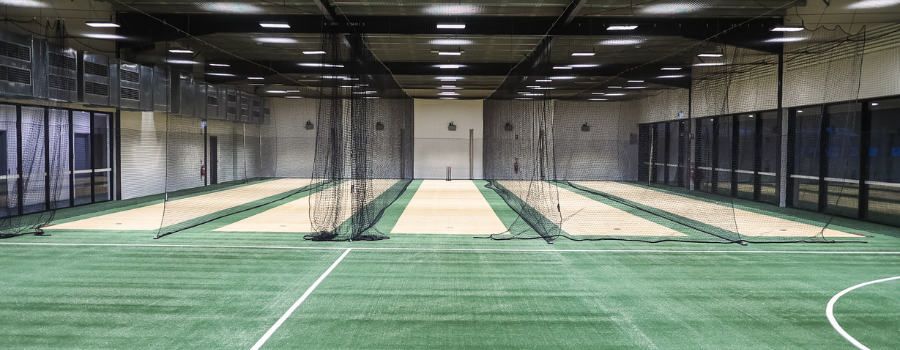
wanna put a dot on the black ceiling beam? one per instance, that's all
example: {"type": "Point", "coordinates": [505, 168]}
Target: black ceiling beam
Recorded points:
{"type": "Point", "coordinates": [143, 28]}
{"type": "Point", "coordinates": [327, 10]}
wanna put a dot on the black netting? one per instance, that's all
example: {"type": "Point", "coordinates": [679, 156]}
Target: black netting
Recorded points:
{"type": "Point", "coordinates": [363, 158]}
{"type": "Point", "coordinates": [661, 160]}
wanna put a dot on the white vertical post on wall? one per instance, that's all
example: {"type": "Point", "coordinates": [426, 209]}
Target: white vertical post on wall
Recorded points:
{"type": "Point", "coordinates": [782, 174]}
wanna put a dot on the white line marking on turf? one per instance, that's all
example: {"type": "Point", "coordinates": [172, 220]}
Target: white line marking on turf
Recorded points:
{"type": "Point", "coordinates": [309, 291]}
{"type": "Point", "coordinates": [455, 249]}
{"type": "Point", "coordinates": [829, 310]}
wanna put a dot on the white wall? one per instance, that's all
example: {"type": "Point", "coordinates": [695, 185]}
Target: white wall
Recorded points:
{"type": "Point", "coordinates": [436, 147]}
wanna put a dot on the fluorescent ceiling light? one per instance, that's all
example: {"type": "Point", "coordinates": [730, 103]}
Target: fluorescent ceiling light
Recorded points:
{"type": "Point", "coordinates": [635, 87]}
{"type": "Point", "coordinates": [275, 40]}
{"type": "Point", "coordinates": [787, 29]}
{"type": "Point", "coordinates": [709, 64]}
{"type": "Point", "coordinates": [451, 26]}
{"type": "Point", "coordinates": [277, 92]}
{"type": "Point", "coordinates": [365, 92]}
{"type": "Point", "coordinates": [255, 78]}
{"type": "Point", "coordinates": [670, 68]}
{"type": "Point", "coordinates": [616, 94]}
{"type": "Point", "coordinates": [102, 24]}
{"type": "Point", "coordinates": [182, 62]}
{"type": "Point", "coordinates": [454, 42]}
{"type": "Point", "coordinates": [316, 52]}
{"type": "Point", "coordinates": [293, 97]}
{"type": "Point", "coordinates": [274, 25]}
{"type": "Point", "coordinates": [584, 65]}
{"type": "Point", "coordinates": [229, 7]}
{"type": "Point", "coordinates": [710, 55]}
{"type": "Point", "coordinates": [635, 81]}
{"type": "Point", "coordinates": [543, 81]}
{"type": "Point", "coordinates": [221, 74]}
{"type": "Point", "coordinates": [872, 4]}
{"type": "Point", "coordinates": [622, 27]}
{"type": "Point", "coordinates": [327, 65]}
{"type": "Point", "coordinates": [370, 97]}
{"type": "Point", "coordinates": [448, 87]}
{"type": "Point", "coordinates": [452, 9]}
{"type": "Point", "coordinates": [542, 87]}
{"type": "Point", "coordinates": [799, 111]}
{"type": "Point", "coordinates": [562, 67]}
{"type": "Point", "coordinates": [449, 93]}
{"type": "Point", "coordinates": [670, 9]}
{"type": "Point", "coordinates": [219, 65]}
{"type": "Point", "coordinates": [345, 86]}
{"type": "Point", "coordinates": [874, 104]}
{"type": "Point", "coordinates": [292, 91]}
{"type": "Point", "coordinates": [448, 66]}
{"type": "Point", "coordinates": [449, 78]}
{"type": "Point", "coordinates": [598, 99]}
{"type": "Point", "coordinates": [180, 51]}
{"type": "Point", "coordinates": [450, 53]}
{"type": "Point", "coordinates": [562, 78]}
{"type": "Point", "coordinates": [533, 94]}
{"type": "Point", "coordinates": [582, 54]}
{"type": "Point", "coordinates": [621, 42]}
{"type": "Point", "coordinates": [785, 40]}
{"type": "Point", "coordinates": [598, 93]}
{"type": "Point", "coordinates": [23, 3]}
{"type": "Point", "coordinates": [447, 98]}
{"type": "Point", "coordinates": [523, 98]}
{"type": "Point", "coordinates": [670, 76]}
{"type": "Point", "coordinates": [103, 36]}
{"type": "Point", "coordinates": [614, 87]}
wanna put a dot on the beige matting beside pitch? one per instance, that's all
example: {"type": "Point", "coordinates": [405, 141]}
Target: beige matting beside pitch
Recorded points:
{"type": "Point", "coordinates": [583, 216]}
{"type": "Point", "coordinates": [181, 210]}
{"type": "Point", "coordinates": [736, 220]}
{"type": "Point", "coordinates": [294, 216]}
{"type": "Point", "coordinates": [449, 207]}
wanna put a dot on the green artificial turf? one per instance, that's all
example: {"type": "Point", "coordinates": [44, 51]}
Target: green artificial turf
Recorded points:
{"type": "Point", "coordinates": [426, 291]}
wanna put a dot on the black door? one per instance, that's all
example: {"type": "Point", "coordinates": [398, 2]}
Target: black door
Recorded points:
{"type": "Point", "coordinates": [213, 160]}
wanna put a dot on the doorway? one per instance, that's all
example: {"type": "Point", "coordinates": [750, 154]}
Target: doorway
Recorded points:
{"type": "Point", "coordinates": [213, 160]}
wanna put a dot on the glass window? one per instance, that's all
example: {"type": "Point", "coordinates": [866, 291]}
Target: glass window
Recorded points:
{"type": "Point", "coordinates": [746, 155]}
{"type": "Point", "coordinates": [33, 166]}
{"type": "Point", "coordinates": [770, 157]}
{"type": "Point", "coordinates": [805, 174]}
{"type": "Point", "coordinates": [884, 162]}
{"type": "Point", "coordinates": [723, 168]}
{"type": "Point", "coordinates": [9, 158]}
{"type": "Point", "coordinates": [842, 178]}
{"type": "Point", "coordinates": [59, 158]}
{"type": "Point", "coordinates": [659, 152]}
{"type": "Point", "coordinates": [673, 164]}
{"type": "Point", "coordinates": [704, 142]}
{"type": "Point", "coordinates": [101, 158]}
{"type": "Point", "coordinates": [81, 146]}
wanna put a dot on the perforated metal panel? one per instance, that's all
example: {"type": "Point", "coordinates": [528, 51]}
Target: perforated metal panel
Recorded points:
{"type": "Point", "coordinates": [16, 65]}
{"type": "Point", "coordinates": [244, 107]}
{"type": "Point", "coordinates": [161, 96]}
{"type": "Point", "coordinates": [185, 91]}
{"type": "Point", "coordinates": [215, 106]}
{"type": "Point", "coordinates": [231, 104]}
{"type": "Point", "coordinates": [94, 83]}
{"type": "Point", "coordinates": [200, 89]}
{"type": "Point", "coordinates": [256, 110]}
{"type": "Point", "coordinates": [56, 73]}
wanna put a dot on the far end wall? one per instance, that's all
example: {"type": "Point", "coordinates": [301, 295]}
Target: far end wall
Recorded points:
{"type": "Point", "coordinates": [436, 147]}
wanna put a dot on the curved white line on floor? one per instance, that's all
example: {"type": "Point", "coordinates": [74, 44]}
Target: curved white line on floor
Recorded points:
{"type": "Point", "coordinates": [829, 310]}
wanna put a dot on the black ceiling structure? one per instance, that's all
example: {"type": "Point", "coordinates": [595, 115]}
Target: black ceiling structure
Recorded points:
{"type": "Point", "coordinates": [497, 50]}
